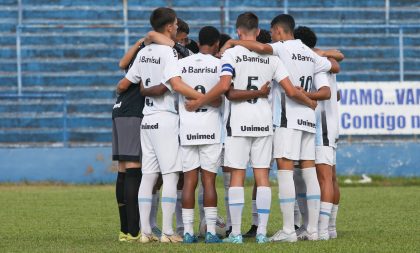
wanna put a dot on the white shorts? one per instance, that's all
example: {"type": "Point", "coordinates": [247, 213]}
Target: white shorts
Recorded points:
{"type": "Point", "coordinates": [293, 144]}
{"type": "Point", "coordinates": [160, 143]}
{"type": "Point", "coordinates": [325, 155]}
{"type": "Point", "coordinates": [241, 150]}
{"type": "Point", "coordinates": [205, 156]}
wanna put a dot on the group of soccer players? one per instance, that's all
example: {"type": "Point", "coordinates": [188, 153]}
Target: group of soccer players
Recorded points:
{"type": "Point", "coordinates": [176, 121]}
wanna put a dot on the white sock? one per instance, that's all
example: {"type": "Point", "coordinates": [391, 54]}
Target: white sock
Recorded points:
{"type": "Point", "coordinates": [324, 217]}
{"type": "Point", "coordinates": [236, 205]}
{"type": "Point", "coordinates": [297, 214]}
{"type": "Point", "coordinates": [263, 208]}
{"type": "Point", "coordinates": [145, 201]}
{"type": "Point", "coordinates": [188, 220]}
{"type": "Point", "coordinates": [200, 199]}
{"type": "Point", "coordinates": [168, 201]}
{"type": "Point", "coordinates": [300, 188]}
{"type": "Point", "coordinates": [286, 198]}
{"type": "Point", "coordinates": [226, 184]}
{"type": "Point", "coordinates": [154, 211]}
{"type": "Point", "coordinates": [178, 209]}
{"type": "Point", "coordinates": [333, 218]}
{"type": "Point", "coordinates": [211, 218]}
{"type": "Point", "coordinates": [254, 213]}
{"type": "Point", "coordinates": [313, 195]}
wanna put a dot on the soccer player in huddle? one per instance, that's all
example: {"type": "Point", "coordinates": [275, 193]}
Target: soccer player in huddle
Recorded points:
{"type": "Point", "coordinates": [294, 136]}
{"type": "Point", "coordinates": [249, 124]}
{"type": "Point", "coordinates": [156, 67]}
{"type": "Point", "coordinates": [326, 137]}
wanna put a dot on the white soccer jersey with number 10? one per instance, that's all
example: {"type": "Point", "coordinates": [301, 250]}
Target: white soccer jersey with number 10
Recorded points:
{"type": "Point", "coordinates": [202, 72]}
{"type": "Point", "coordinates": [156, 64]}
{"type": "Point", "coordinates": [327, 112]}
{"type": "Point", "coordinates": [250, 71]}
{"type": "Point", "coordinates": [301, 63]}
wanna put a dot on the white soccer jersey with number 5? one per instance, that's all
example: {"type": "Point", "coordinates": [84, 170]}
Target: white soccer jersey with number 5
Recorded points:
{"type": "Point", "coordinates": [156, 64]}
{"type": "Point", "coordinates": [250, 71]}
{"type": "Point", "coordinates": [302, 64]}
{"type": "Point", "coordinates": [202, 72]}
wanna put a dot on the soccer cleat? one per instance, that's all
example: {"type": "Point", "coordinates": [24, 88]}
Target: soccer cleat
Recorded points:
{"type": "Point", "coordinates": [237, 239]}
{"type": "Point", "coordinates": [260, 238]}
{"type": "Point", "coordinates": [282, 236]}
{"type": "Point", "coordinates": [131, 238]}
{"type": "Point", "coordinates": [228, 231]}
{"type": "Point", "coordinates": [332, 233]}
{"type": "Point", "coordinates": [146, 238]}
{"type": "Point", "coordinates": [156, 232]}
{"type": "Point", "coordinates": [170, 238]}
{"type": "Point", "coordinates": [122, 237]}
{"type": "Point", "coordinates": [252, 232]}
{"type": "Point", "coordinates": [323, 236]}
{"type": "Point", "coordinates": [305, 235]}
{"type": "Point", "coordinates": [190, 238]}
{"type": "Point", "coordinates": [210, 238]}
{"type": "Point", "coordinates": [300, 230]}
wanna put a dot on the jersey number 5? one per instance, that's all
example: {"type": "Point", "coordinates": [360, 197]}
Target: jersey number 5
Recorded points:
{"type": "Point", "coordinates": [201, 89]}
{"type": "Point", "coordinates": [252, 87]}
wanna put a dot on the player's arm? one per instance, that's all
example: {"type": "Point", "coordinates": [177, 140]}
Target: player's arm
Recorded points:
{"type": "Point", "coordinates": [123, 85]}
{"type": "Point", "coordinates": [243, 95]}
{"type": "Point", "coordinates": [324, 93]}
{"type": "Point", "coordinates": [217, 102]}
{"type": "Point", "coordinates": [220, 88]}
{"type": "Point", "coordinates": [249, 44]}
{"type": "Point", "coordinates": [184, 89]}
{"type": "Point", "coordinates": [125, 60]}
{"type": "Point", "coordinates": [158, 38]}
{"type": "Point", "coordinates": [298, 96]}
{"type": "Point", "coordinates": [154, 91]}
{"type": "Point", "coordinates": [330, 53]}
{"type": "Point", "coordinates": [335, 67]}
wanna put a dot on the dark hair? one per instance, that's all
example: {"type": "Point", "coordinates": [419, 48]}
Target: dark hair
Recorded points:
{"type": "Point", "coordinates": [286, 21]}
{"type": "Point", "coordinates": [247, 20]}
{"type": "Point", "coordinates": [183, 26]}
{"type": "Point", "coordinates": [264, 36]}
{"type": "Point", "coordinates": [223, 38]}
{"type": "Point", "coordinates": [208, 35]}
{"type": "Point", "coordinates": [162, 16]}
{"type": "Point", "coordinates": [306, 35]}
{"type": "Point", "coordinates": [193, 47]}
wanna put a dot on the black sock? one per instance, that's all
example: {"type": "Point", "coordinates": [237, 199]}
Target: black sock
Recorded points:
{"type": "Point", "coordinates": [131, 191]}
{"type": "Point", "coordinates": [119, 192]}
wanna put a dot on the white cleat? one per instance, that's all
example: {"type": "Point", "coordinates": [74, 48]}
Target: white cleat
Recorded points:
{"type": "Point", "coordinates": [332, 233]}
{"type": "Point", "coordinates": [282, 236]}
{"type": "Point", "coordinates": [305, 235]}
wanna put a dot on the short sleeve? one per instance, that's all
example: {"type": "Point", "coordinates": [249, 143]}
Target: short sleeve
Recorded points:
{"type": "Point", "coordinates": [277, 47]}
{"type": "Point", "coordinates": [322, 64]}
{"type": "Point", "coordinates": [321, 80]}
{"type": "Point", "coordinates": [228, 63]}
{"type": "Point", "coordinates": [280, 72]}
{"type": "Point", "coordinates": [133, 74]}
{"type": "Point", "coordinates": [170, 66]}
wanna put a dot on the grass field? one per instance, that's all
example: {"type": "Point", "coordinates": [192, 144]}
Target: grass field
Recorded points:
{"type": "Point", "coordinates": [51, 218]}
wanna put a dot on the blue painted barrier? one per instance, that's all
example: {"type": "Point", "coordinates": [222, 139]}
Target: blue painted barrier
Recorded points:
{"type": "Point", "coordinates": [94, 165]}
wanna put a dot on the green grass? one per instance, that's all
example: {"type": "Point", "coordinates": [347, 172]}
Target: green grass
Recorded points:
{"type": "Point", "coordinates": [64, 218]}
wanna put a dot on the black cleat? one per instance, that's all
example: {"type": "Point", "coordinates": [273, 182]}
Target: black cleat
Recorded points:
{"type": "Point", "coordinates": [228, 231]}
{"type": "Point", "coordinates": [252, 232]}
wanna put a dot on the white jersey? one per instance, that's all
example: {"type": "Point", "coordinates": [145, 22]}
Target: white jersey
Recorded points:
{"type": "Point", "coordinates": [301, 63]}
{"type": "Point", "coordinates": [156, 64]}
{"type": "Point", "coordinates": [250, 71]}
{"type": "Point", "coordinates": [201, 72]}
{"type": "Point", "coordinates": [327, 113]}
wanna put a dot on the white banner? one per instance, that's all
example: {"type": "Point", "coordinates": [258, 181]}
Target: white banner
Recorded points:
{"type": "Point", "coordinates": [379, 108]}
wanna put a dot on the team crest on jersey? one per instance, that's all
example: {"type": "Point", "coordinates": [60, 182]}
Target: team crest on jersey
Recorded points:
{"type": "Point", "coordinates": [300, 57]}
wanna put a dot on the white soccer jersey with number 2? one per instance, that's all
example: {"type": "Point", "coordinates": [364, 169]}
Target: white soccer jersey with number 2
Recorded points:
{"type": "Point", "coordinates": [301, 63]}
{"type": "Point", "coordinates": [201, 72]}
{"type": "Point", "coordinates": [156, 64]}
{"type": "Point", "coordinates": [250, 71]}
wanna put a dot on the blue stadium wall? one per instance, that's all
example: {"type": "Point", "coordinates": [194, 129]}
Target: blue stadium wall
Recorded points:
{"type": "Point", "coordinates": [94, 165]}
